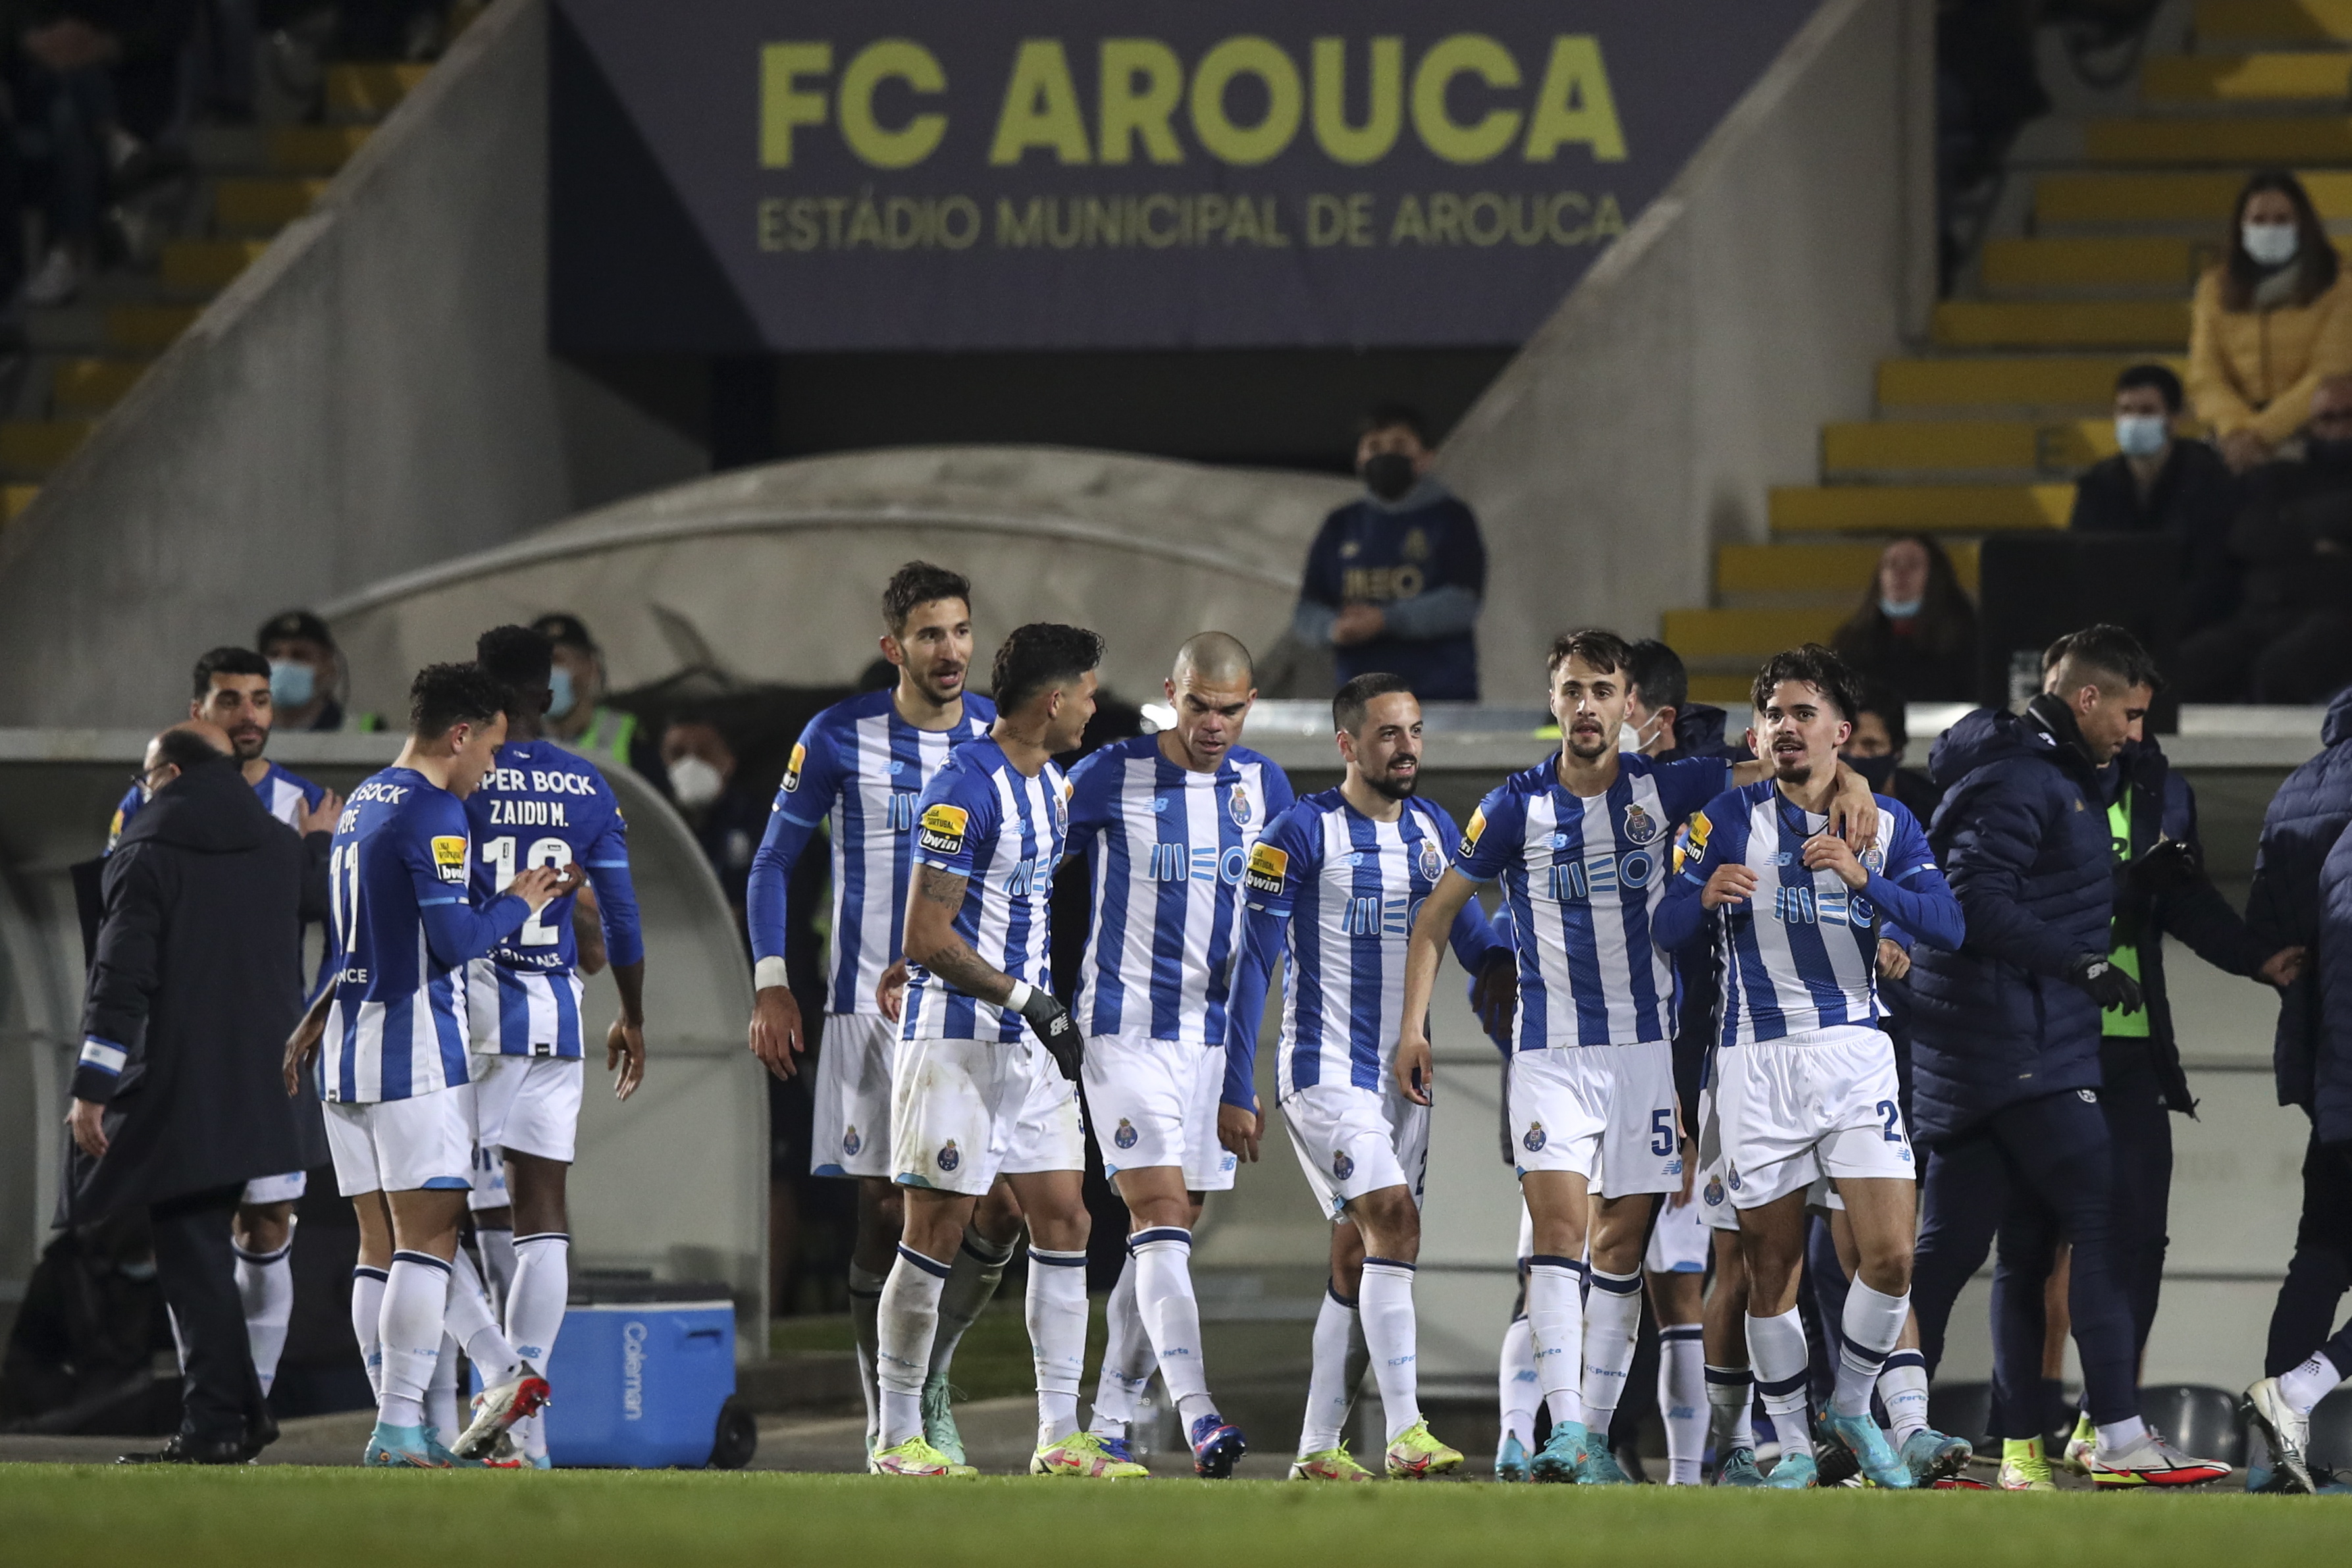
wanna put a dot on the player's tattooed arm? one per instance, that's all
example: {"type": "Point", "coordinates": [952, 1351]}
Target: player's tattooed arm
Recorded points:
{"type": "Point", "coordinates": [933, 942]}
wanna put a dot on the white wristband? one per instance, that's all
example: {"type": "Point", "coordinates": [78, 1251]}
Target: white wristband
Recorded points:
{"type": "Point", "coordinates": [767, 973]}
{"type": "Point", "coordinates": [1019, 997]}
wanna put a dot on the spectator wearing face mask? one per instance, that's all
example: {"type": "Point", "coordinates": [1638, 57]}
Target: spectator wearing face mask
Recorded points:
{"type": "Point", "coordinates": [2157, 483]}
{"type": "Point", "coordinates": [2269, 324]}
{"type": "Point", "coordinates": [1915, 630]}
{"type": "Point", "coordinates": [2290, 639]}
{"type": "Point", "coordinates": [578, 718]}
{"type": "Point", "coordinates": [699, 767]}
{"type": "Point", "coordinates": [307, 676]}
{"type": "Point", "coordinates": [1395, 579]}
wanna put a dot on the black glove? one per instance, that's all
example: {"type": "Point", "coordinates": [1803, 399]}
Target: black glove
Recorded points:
{"type": "Point", "coordinates": [2104, 982]}
{"type": "Point", "coordinates": [1057, 1030]}
{"type": "Point", "coordinates": [2169, 864]}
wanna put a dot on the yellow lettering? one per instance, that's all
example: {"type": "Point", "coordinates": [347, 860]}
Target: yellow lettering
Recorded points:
{"type": "Point", "coordinates": [781, 104]}
{"type": "Point", "coordinates": [1446, 217]}
{"type": "Point", "coordinates": [1285, 99]}
{"type": "Point", "coordinates": [1408, 223]}
{"type": "Point", "coordinates": [1023, 229]}
{"type": "Point", "coordinates": [879, 61]}
{"type": "Point", "coordinates": [1040, 107]}
{"type": "Point", "coordinates": [1359, 218]}
{"type": "Point", "coordinates": [1327, 221]}
{"type": "Point", "coordinates": [771, 223]}
{"type": "Point", "coordinates": [1464, 54]}
{"type": "Point", "coordinates": [1383, 113]}
{"type": "Point", "coordinates": [1574, 104]}
{"type": "Point", "coordinates": [1141, 81]}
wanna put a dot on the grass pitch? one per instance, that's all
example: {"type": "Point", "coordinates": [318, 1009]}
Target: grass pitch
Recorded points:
{"type": "Point", "coordinates": [57, 1514]}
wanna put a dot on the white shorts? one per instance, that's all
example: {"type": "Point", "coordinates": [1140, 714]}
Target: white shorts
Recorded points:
{"type": "Point", "coordinates": [1712, 1195]}
{"type": "Point", "coordinates": [285, 1189]}
{"type": "Point", "coordinates": [1678, 1242]}
{"type": "Point", "coordinates": [1354, 1141]}
{"type": "Point", "coordinates": [964, 1112]}
{"type": "Point", "coordinates": [528, 1105]}
{"type": "Point", "coordinates": [489, 1180]}
{"type": "Point", "coordinates": [1606, 1112]}
{"type": "Point", "coordinates": [1154, 1103]}
{"type": "Point", "coordinates": [1814, 1105]}
{"type": "Point", "coordinates": [402, 1145]}
{"type": "Point", "coordinates": [850, 1122]}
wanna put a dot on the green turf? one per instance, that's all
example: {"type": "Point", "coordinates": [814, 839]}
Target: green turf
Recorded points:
{"type": "Point", "coordinates": [347, 1518]}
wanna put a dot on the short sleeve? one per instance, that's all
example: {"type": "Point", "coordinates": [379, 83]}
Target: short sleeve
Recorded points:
{"type": "Point", "coordinates": [1279, 796]}
{"type": "Point", "coordinates": [435, 845]}
{"type": "Point", "coordinates": [1280, 863]}
{"type": "Point", "coordinates": [610, 847]}
{"type": "Point", "coordinates": [956, 811]}
{"type": "Point", "coordinates": [812, 776]}
{"type": "Point", "coordinates": [1493, 834]}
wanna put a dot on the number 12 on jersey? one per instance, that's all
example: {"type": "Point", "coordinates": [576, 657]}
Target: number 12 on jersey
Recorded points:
{"type": "Point", "coordinates": [552, 853]}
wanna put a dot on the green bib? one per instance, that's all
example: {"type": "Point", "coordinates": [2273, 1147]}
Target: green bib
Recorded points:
{"type": "Point", "coordinates": [2125, 955]}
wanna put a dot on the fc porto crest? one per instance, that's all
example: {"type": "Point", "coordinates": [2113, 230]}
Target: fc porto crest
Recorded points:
{"type": "Point", "coordinates": [850, 1142]}
{"type": "Point", "coordinates": [1342, 1167]}
{"type": "Point", "coordinates": [1239, 804]}
{"type": "Point", "coordinates": [1126, 1135]}
{"type": "Point", "coordinates": [1873, 859]}
{"type": "Point", "coordinates": [1713, 1194]}
{"type": "Point", "coordinates": [1431, 862]}
{"type": "Point", "coordinates": [1640, 825]}
{"type": "Point", "coordinates": [949, 1157]}
{"type": "Point", "coordinates": [1534, 1139]}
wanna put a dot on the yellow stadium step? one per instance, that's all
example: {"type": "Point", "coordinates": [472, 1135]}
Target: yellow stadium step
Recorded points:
{"type": "Point", "coordinates": [1920, 508]}
{"type": "Point", "coordinates": [15, 498]}
{"type": "Point", "coordinates": [1886, 446]}
{"type": "Point", "coordinates": [207, 266]}
{"type": "Point", "coordinates": [2062, 323]}
{"type": "Point", "coordinates": [2298, 139]}
{"type": "Point", "coordinates": [314, 149]}
{"type": "Point", "coordinates": [2009, 381]}
{"type": "Point", "coordinates": [2274, 21]}
{"type": "Point", "coordinates": [1730, 633]}
{"type": "Point", "coordinates": [261, 205]}
{"type": "Point", "coordinates": [2259, 78]}
{"type": "Point", "coordinates": [370, 91]}
{"type": "Point", "coordinates": [147, 326]}
{"type": "Point", "coordinates": [36, 447]}
{"type": "Point", "coordinates": [85, 388]}
{"type": "Point", "coordinates": [1727, 691]}
{"type": "Point", "coordinates": [1839, 571]}
{"type": "Point", "coordinates": [2171, 198]}
{"type": "Point", "coordinates": [2122, 262]}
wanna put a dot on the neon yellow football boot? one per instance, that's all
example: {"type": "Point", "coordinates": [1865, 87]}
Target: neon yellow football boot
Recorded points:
{"type": "Point", "coordinates": [1416, 1453]}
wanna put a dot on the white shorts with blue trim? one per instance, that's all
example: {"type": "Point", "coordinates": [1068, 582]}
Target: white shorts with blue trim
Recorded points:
{"type": "Point", "coordinates": [964, 1112]}
{"type": "Point", "coordinates": [1353, 1140]}
{"type": "Point", "coordinates": [849, 1118]}
{"type": "Point", "coordinates": [1606, 1112]}
{"type": "Point", "coordinates": [1154, 1103]}
{"type": "Point", "coordinates": [286, 1189]}
{"type": "Point", "coordinates": [528, 1105]}
{"type": "Point", "coordinates": [1678, 1242]}
{"type": "Point", "coordinates": [1821, 1103]}
{"type": "Point", "coordinates": [489, 1181]}
{"type": "Point", "coordinates": [402, 1145]}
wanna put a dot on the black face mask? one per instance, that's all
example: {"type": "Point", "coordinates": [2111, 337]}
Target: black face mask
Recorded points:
{"type": "Point", "coordinates": [1388, 475]}
{"type": "Point", "coordinates": [1877, 771]}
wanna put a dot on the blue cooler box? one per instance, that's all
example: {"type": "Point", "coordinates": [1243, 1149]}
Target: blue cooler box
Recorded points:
{"type": "Point", "coordinates": [638, 1384]}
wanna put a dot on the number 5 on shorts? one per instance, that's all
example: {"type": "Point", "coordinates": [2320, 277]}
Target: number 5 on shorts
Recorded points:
{"type": "Point", "coordinates": [1662, 1131]}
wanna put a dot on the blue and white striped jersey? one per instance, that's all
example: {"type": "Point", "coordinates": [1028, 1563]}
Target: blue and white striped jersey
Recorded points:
{"type": "Point", "coordinates": [985, 820]}
{"type": "Point", "coordinates": [1802, 952]}
{"type": "Point", "coordinates": [544, 804]}
{"type": "Point", "coordinates": [286, 794]}
{"type": "Point", "coordinates": [401, 929]}
{"type": "Point", "coordinates": [1168, 846]}
{"type": "Point", "coordinates": [1582, 877]}
{"type": "Point", "coordinates": [860, 765]}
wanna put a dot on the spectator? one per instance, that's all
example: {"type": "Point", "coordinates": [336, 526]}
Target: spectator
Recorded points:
{"type": "Point", "coordinates": [2157, 484]}
{"type": "Point", "coordinates": [1394, 580]}
{"type": "Point", "coordinates": [2269, 322]}
{"type": "Point", "coordinates": [699, 767]}
{"type": "Point", "coordinates": [1660, 721]}
{"type": "Point", "coordinates": [178, 1097]}
{"type": "Point", "coordinates": [2290, 639]}
{"type": "Point", "coordinates": [578, 718]}
{"type": "Point", "coordinates": [1881, 735]}
{"type": "Point", "coordinates": [1915, 630]}
{"type": "Point", "coordinates": [307, 675]}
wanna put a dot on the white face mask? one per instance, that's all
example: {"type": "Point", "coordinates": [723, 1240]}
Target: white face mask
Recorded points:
{"type": "Point", "coordinates": [1632, 738]}
{"type": "Point", "coordinates": [2141, 434]}
{"type": "Point", "coordinates": [2270, 244]}
{"type": "Point", "coordinates": [695, 783]}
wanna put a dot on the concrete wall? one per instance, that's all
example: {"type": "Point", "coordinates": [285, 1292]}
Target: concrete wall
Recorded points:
{"type": "Point", "coordinates": [373, 394]}
{"type": "Point", "coordinates": [1693, 367]}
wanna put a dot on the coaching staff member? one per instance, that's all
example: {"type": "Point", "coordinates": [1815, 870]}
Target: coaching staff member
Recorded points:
{"type": "Point", "coordinates": [179, 1097]}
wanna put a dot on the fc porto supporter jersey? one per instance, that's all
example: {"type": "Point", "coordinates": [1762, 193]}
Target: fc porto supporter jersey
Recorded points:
{"type": "Point", "coordinates": [861, 766]}
{"type": "Point", "coordinates": [1352, 888]}
{"type": "Point", "coordinates": [1169, 847]}
{"type": "Point", "coordinates": [543, 804]}
{"type": "Point", "coordinates": [1582, 876]}
{"type": "Point", "coordinates": [1800, 953]}
{"type": "Point", "coordinates": [983, 820]}
{"type": "Point", "coordinates": [287, 795]}
{"type": "Point", "coordinates": [396, 1028]}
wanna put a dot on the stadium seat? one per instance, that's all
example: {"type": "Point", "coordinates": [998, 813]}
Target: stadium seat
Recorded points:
{"type": "Point", "coordinates": [2197, 1419]}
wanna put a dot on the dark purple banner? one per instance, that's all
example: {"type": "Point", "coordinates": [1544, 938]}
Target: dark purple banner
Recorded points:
{"type": "Point", "coordinates": [741, 175]}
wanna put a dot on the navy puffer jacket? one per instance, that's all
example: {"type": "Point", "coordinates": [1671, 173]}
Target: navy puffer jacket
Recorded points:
{"type": "Point", "coordinates": [2023, 838]}
{"type": "Point", "coordinates": [2306, 818]}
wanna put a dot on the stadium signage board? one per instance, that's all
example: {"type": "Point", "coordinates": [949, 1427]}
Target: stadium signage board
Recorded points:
{"type": "Point", "coordinates": [748, 175]}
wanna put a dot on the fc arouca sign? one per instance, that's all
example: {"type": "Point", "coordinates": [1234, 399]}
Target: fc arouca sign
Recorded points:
{"type": "Point", "coordinates": [736, 176]}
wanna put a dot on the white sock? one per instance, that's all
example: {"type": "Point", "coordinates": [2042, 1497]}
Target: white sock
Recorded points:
{"type": "Point", "coordinates": [441, 1393]}
{"type": "Point", "coordinates": [1337, 1326]}
{"type": "Point", "coordinates": [1612, 1314]}
{"type": "Point", "coordinates": [475, 1327]}
{"type": "Point", "coordinates": [1514, 1380]}
{"type": "Point", "coordinates": [2305, 1386]}
{"type": "Point", "coordinates": [1903, 1388]}
{"type": "Point", "coordinates": [416, 1300]}
{"type": "Point", "coordinates": [1730, 1401]}
{"type": "Point", "coordinates": [973, 1278]}
{"type": "Point", "coordinates": [1555, 1321]}
{"type": "Point", "coordinates": [497, 1249]}
{"type": "Point", "coordinates": [535, 1300]}
{"type": "Point", "coordinates": [1056, 1310]}
{"type": "Point", "coordinates": [1172, 1316]}
{"type": "Point", "coordinates": [1384, 1306]}
{"type": "Point", "coordinates": [1127, 1363]}
{"type": "Point", "coordinates": [907, 1317]}
{"type": "Point", "coordinates": [1870, 1327]}
{"type": "Point", "coordinates": [367, 1324]}
{"type": "Point", "coordinates": [865, 1303]}
{"type": "Point", "coordinates": [265, 1284]}
{"type": "Point", "coordinates": [1682, 1400]}
{"type": "Point", "coordinates": [2116, 1437]}
{"type": "Point", "coordinates": [1776, 1349]}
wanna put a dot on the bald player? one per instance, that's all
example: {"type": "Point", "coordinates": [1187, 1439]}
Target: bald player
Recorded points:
{"type": "Point", "coordinates": [1169, 820]}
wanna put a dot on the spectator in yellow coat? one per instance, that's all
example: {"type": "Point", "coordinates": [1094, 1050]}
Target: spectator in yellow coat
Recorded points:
{"type": "Point", "coordinates": [2269, 324]}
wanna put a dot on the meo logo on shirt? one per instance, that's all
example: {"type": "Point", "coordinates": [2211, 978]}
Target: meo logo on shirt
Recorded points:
{"type": "Point", "coordinates": [1268, 867]}
{"type": "Point", "coordinates": [943, 829]}
{"type": "Point", "coordinates": [449, 858]}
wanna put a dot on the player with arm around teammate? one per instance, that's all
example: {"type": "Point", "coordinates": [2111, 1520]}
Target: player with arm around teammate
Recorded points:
{"type": "Point", "coordinates": [1332, 887]}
